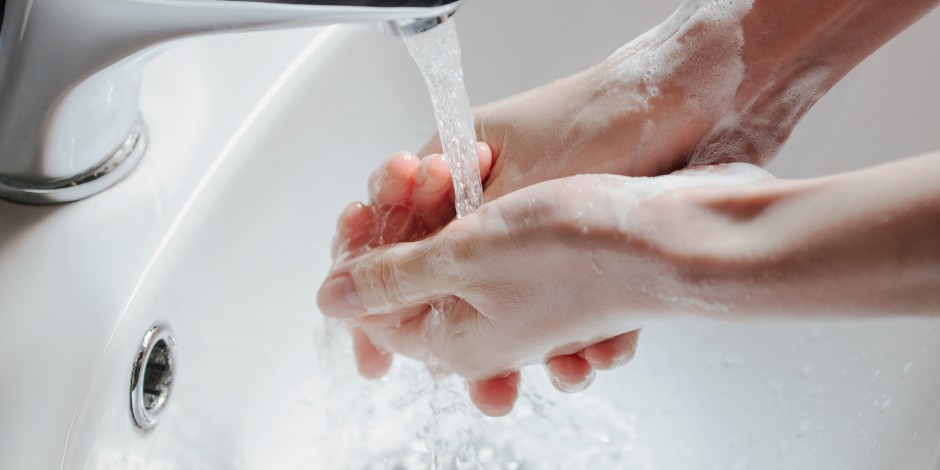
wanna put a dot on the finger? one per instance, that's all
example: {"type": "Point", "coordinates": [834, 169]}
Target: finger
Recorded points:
{"type": "Point", "coordinates": [387, 279]}
{"type": "Point", "coordinates": [613, 352]}
{"type": "Point", "coordinates": [372, 362]}
{"type": "Point", "coordinates": [352, 229]}
{"type": "Point", "coordinates": [390, 319]}
{"type": "Point", "coordinates": [485, 159]}
{"type": "Point", "coordinates": [339, 298]}
{"type": "Point", "coordinates": [430, 337]}
{"type": "Point", "coordinates": [393, 224]}
{"type": "Point", "coordinates": [495, 397]}
{"type": "Point", "coordinates": [485, 155]}
{"type": "Point", "coordinates": [433, 193]}
{"type": "Point", "coordinates": [485, 163]}
{"type": "Point", "coordinates": [392, 182]}
{"type": "Point", "coordinates": [430, 197]}
{"type": "Point", "coordinates": [570, 373]}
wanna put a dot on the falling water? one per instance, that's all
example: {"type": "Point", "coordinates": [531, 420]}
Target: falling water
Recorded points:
{"type": "Point", "coordinates": [437, 53]}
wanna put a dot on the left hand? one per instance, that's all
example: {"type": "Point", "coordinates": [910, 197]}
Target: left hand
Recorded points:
{"type": "Point", "coordinates": [411, 198]}
{"type": "Point", "coordinates": [567, 269]}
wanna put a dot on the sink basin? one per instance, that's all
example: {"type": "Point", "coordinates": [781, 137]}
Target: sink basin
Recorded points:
{"type": "Point", "coordinates": [258, 140]}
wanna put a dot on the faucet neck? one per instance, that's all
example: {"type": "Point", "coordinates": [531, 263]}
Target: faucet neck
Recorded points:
{"type": "Point", "coordinates": [70, 75]}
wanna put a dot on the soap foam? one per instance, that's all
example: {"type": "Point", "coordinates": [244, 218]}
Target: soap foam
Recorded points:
{"type": "Point", "coordinates": [695, 40]}
{"type": "Point", "coordinates": [704, 40]}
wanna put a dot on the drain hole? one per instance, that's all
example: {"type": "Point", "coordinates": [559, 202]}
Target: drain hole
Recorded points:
{"type": "Point", "coordinates": [152, 375]}
{"type": "Point", "coordinates": [158, 376]}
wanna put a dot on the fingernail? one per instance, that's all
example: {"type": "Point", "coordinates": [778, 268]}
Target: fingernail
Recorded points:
{"type": "Point", "coordinates": [422, 176]}
{"type": "Point", "coordinates": [340, 298]}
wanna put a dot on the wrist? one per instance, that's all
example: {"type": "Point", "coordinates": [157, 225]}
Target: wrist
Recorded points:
{"type": "Point", "coordinates": [680, 243]}
{"type": "Point", "coordinates": [857, 243]}
{"type": "Point", "coordinates": [676, 84]}
{"type": "Point", "coordinates": [793, 52]}
{"type": "Point", "coordinates": [748, 258]}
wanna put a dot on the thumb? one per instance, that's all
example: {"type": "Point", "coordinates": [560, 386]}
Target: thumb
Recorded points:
{"type": "Point", "coordinates": [385, 280]}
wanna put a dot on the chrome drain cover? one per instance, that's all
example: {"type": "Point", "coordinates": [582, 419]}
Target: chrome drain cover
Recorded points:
{"type": "Point", "coordinates": [152, 374]}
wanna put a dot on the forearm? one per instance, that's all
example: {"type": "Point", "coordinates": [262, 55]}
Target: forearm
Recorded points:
{"type": "Point", "coordinates": [732, 79]}
{"type": "Point", "coordinates": [795, 51]}
{"type": "Point", "coordinates": [784, 40]}
{"type": "Point", "coordinates": [862, 243]}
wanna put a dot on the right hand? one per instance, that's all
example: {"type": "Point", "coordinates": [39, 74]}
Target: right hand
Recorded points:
{"type": "Point", "coordinates": [586, 123]}
{"type": "Point", "coordinates": [565, 128]}
{"type": "Point", "coordinates": [410, 199]}
{"type": "Point", "coordinates": [542, 274]}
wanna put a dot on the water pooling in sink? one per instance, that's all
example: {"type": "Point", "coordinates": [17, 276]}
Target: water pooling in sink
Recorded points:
{"type": "Point", "coordinates": [445, 430]}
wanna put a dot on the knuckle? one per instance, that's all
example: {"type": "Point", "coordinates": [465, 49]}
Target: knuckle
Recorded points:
{"type": "Point", "coordinates": [378, 283]}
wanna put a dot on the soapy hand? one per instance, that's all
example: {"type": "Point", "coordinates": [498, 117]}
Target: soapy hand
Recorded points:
{"type": "Point", "coordinates": [639, 113]}
{"type": "Point", "coordinates": [716, 82]}
{"type": "Point", "coordinates": [411, 198]}
{"type": "Point", "coordinates": [567, 269]}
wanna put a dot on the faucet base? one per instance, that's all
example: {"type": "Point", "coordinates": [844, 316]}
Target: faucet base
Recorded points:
{"type": "Point", "coordinates": [111, 171]}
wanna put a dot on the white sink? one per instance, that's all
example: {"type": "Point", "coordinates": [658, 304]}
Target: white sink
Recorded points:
{"type": "Point", "coordinates": [259, 140]}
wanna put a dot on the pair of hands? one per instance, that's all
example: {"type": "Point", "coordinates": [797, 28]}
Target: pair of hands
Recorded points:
{"type": "Point", "coordinates": [541, 273]}
{"type": "Point", "coordinates": [564, 269]}
{"type": "Point", "coordinates": [544, 270]}
{"type": "Point", "coordinates": [387, 298]}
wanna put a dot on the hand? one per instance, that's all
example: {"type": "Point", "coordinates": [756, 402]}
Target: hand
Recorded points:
{"type": "Point", "coordinates": [409, 199]}
{"type": "Point", "coordinates": [544, 272]}
{"type": "Point", "coordinates": [587, 123]}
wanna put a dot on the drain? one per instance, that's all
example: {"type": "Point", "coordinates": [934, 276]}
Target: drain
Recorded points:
{"type": "Point", "coordinates": [152, 374]}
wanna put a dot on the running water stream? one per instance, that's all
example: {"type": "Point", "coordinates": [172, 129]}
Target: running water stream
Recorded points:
{"type": "Point", "coordinates": [437, 53]}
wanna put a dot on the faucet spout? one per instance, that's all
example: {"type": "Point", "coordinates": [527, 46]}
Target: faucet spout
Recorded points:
{"type": "Point", "coordinates": [70, 76]}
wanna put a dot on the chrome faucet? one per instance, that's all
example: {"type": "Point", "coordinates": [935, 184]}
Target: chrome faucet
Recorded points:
{"type": "Point", "coordinates": [70, 75]}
